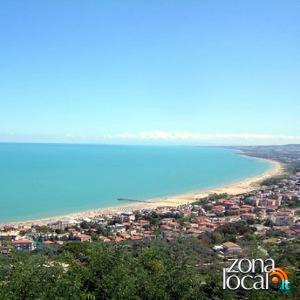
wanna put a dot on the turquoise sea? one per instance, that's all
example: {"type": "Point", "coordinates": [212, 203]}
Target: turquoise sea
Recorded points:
{"type": "Point", "coordinates": [41, 180]}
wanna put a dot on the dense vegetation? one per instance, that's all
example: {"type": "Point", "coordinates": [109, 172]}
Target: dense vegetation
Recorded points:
{"type": "Point", "coordinates": [275, 180]}
{"type": "Point", "coordinates": [185, 269]}
{"type": "Point", "coordinates": [294, 167]}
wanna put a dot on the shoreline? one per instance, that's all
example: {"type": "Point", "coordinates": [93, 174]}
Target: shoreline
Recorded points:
{"type": "Point", "coordinates": [235, 188]}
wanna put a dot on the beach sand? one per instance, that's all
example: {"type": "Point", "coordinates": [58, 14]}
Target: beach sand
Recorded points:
{"type": "Point", "coordinates": [235, 188]}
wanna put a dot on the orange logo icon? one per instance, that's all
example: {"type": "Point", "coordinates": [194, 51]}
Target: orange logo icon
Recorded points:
{"type": "Point", "coordinates": [279, 276]}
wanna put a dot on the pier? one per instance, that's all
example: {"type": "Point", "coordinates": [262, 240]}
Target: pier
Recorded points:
{"type": "Point", "coordinates": [134, 200]}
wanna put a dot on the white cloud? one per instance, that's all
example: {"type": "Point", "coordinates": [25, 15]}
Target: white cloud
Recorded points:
{"type": "Point", "coordinates": [162, 137]}
{"type": "Point", "coordinates": [159, 135]}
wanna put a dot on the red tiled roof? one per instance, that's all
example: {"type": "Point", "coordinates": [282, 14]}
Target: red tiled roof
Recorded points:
{"type": "Point", "coordinates": [48, 242]}
{"type": "Point", "coordinates": [230, 245]}
{"type": "Point", "coordinates": [82, 235]}
{"type": "Point", "coordinates": [22, 242]}
{"type": "Point", "coordinates": [136, 238]}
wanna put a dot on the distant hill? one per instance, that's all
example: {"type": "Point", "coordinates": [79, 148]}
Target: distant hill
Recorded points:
{"type": "Point", "coordinates": [287, 154]}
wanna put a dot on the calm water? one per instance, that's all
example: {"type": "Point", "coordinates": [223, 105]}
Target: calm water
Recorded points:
{"type": "Point", "coordinates": [39, 180]}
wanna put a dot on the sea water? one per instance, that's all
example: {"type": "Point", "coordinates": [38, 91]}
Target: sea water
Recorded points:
{"type": "Point", "coordinates": [42, 180]}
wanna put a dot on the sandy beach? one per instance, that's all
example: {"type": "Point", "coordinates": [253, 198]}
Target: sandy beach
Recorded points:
{"type": "Point", "coordinates": [234, 188]}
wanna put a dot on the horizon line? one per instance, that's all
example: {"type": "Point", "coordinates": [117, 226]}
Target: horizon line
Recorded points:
{"type": "Point", "coordinates": [147, 145]}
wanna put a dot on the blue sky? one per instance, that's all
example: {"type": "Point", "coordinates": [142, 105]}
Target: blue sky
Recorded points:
{"type": "Point", "coordinates": [200, 72]}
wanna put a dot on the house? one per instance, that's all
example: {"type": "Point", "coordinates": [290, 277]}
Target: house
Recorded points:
{"type": "Point", "coordinates": [8, 236]}
{"type": "Point", "coordinates": [289, 233]}
{"type": "Point", "coordinates": [193, 232]}
{"type": "Point", "coordinates": [247, 216]}
{"type": "Point", "coordinates": [218, 209]}
{"type": "Point", "coordinates": [24, 245]}
{"type": "Point", "coordinates": [59, 225]}
{"type": "Point", "coordinates": [48, 243]}
{"type": "Point", "coordinates": [136, 238]}
{"type": "Point", "coordinates": [125, 236]}
{"type": "Point", "coordinates": [234, 210]}
{"type": "Point", "coordinates": [271, 204]}
{"type": "Point", "coordinates": [229, 219]}
{"type": "Point", "coordinates": [231, 248]}
{"type": "Point", "coordinates": [127, 216]}
{"type": "Point", "coordinates": [144, 223]}
{"type": "Point", "coordinates": [228, 204]}
{"type": "Point", "coordinates": [117, 239]}
{"type": "Point", "coordinates": [166, 221]}
{"type": "Point", "coordinates": [283, 217]}
{"type": "Point", "coordinates": [119, 228]}
{"type": "Point", "coordinates": [84, 237]}
{"type": "Point", "coordinates": [104, 239]}
{"type": "Point", "coordinates": [261, 213]}
{"type": "Point", "coordinates": [244, 209]}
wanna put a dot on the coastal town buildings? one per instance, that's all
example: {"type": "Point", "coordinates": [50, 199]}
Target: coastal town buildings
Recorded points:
{"type": "Point", "coordinates": [266, 207]}
{"type": "Point", "coordinates": [24, 245]}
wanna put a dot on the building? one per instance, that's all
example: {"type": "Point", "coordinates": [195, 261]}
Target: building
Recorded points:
{"type": "Point", "coordinates": [283, 217]}
{"type": "Point", "coordinates": [24, 245]}
{"type": "Point", "coordinates": [247, 216]}
{"type": "Point", "coordinates": [48, 243]}
{"type": "Point", "coordinates": [84, 237]}
{"type": "Point", "coordinates": [8, 236]}
{"type": "Point", "coordinates": [59, 225]}
{"type": "Point", "coordinates": [127, 216]}
{"type": "Point", "coordinates": [231, 248]}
